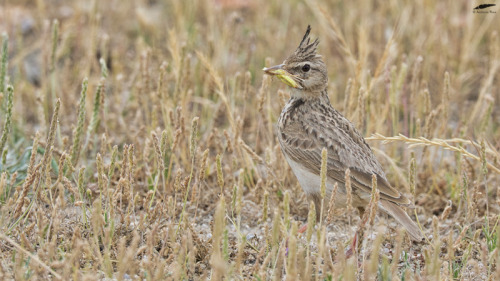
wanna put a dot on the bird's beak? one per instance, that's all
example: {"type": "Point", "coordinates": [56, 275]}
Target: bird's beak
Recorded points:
{"type": "Point", "coordinates": [285, 76]}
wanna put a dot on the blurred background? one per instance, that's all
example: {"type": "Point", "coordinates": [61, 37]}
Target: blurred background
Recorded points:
{"type": "Point", "coordinates": [179, 86]}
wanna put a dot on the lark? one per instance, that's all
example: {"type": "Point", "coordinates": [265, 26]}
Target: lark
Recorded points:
{"type": "Point", "coordinates": [308, 123]}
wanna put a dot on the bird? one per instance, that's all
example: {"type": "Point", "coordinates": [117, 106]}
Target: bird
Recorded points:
{"type": "Point", "coordinates": [308, 123]}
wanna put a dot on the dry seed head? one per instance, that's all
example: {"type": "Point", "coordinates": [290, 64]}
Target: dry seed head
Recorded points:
{"type": "Point", "coordinates": [25, 189]}
{"type": "Point", "coordinates": [3, 182]}
{"type": "Point", "coordinates": [62, 160]}
{"type": "Point", "coordinates": [415, 81]}
{"type": "Point", "coordinates": [276, 227]}
{"type": "Point", "coordinates": [446, 211]}
{"type": "Point", "coordinates": [348, 189]}
{"type": "Point", "coordinates": [220, 176]}
{"type": "Point", "coordinates": [265, 206]}
{"type": "Point", "coordinates": [346, 94]}
{"type": "Point", "coordinates": [104, 68]}
{"type": "Point", "coordinates": [218, 227]}
{"type": "Point", "coordinates": [3, 65]}
{"type": "Point", "coordinates": [100, 176]}
{"type": "Point", "coordinates": [429, 122]}
{"type": "Point", "coordinates": [34, 150]}
{"type": "Point", "coordinates": [179, 120]}
{"type": "Point", "coordinates": [234, 199]}
{"type": "Point", "coordinates": [69, 186]}
{"type": "Point", "coordinates": [114, 155]}
{"type": "Point", "coordinates": [476, 235]}
{"type": "Point", "coordinates": [258, 263]}
{"type": "Point", "coordinates": [158, 153]}
{"type": "Point", "coordinates": [94, 119]}
{"type": "Point", "coordinates": [261, 98]}
{"type": "Point", "coordinates": [413, 174]}
{"type": "Point", "coordinates": [484, 255]}
{"type": "Point", "coordinates": [484, 163]}
{"type": "Point", "coordinates": [435, 227]}
{"type": "Point", "coordinates": [465, 179]}
{"type": "Point", "coordinates": [46, 168]}
{"type": "Point", "coordinates": [239, 128]}
{"type": "Point", "coordinates": [292, 252]}
{"type": "Point", "coordinates": [476, 195]}
{"type": "Point", "coordinates": [324, 158]}
{"type": "Point", "coordinates": [104, 144]}
{"type": "Point", "coordinates": [193, 139]}
{"type": "Point", "coordinates": [123, 172]}
{"type": "Point", "coordinates": [250, 151]}
{"type": "Point", "coordinates": [77, 135]}
{"type": "Point", "coordinates": [305, 264]}
{"type": "Point", "coordinates": [322, 247]}
{"type": "Point", "coordinates": [203, 165]}
{"type": "Point", "coordinates": [50, 137]}
{"type": "Point", "coordinates": [55, 32]}
{"type": "Point", "coordinates": [446, 96]}
{"type": "Point", "coordinates": [229, 144]}
{"type": "Point", "coordinates": [280, 261]}
{"type": "Point", "coordinates": [451, 251]}
{"type": "Point", "coordinates": [361, 109]}
{"type": "Point", "coordinates": [311, 220]}
{"type": "Point", "coordinates": [374, 257]}
{"type": "Point", "coordinates": [397, 252]}
{"type": "Point", "coordinates": [177, 136]}
{"type": "Point", "coordinates": [81, 173]}
{"type": "Point", "coordinates": [402, 76]}
{"type": "Point", "coordinates": [177, 180]}
{"type": "Point", "coordinates": [131, 163]}
{"type": "Point", "coordinates": [239, 193]}
{"type": "Point", "coordinates": [331, 204]}
{"type": "Point", "coordinates": [286, 209]}
{"type": "Point", "coordinates": [427, 102]}
{"type": "Point", "coordinates": [375, 197]}
{"type": "Point", "coordinates": [164, 140]}
{"type": "Point", "coordinates": [13, 178]}
{"type": "Point", "coordinates": [7, 124]}
{"type": "Point", "coordinates": [265, 264]}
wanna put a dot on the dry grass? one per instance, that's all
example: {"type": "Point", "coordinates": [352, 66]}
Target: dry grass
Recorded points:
{"type": "Point", "coordinates": [163, 163]}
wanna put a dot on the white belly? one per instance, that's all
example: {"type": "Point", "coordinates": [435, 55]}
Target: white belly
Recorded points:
{"type": "Point", "coordinates": [310, 182]}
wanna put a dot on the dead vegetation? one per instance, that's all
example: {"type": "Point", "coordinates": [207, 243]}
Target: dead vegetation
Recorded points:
{"type": "Point", "coordinates": [138, 140]}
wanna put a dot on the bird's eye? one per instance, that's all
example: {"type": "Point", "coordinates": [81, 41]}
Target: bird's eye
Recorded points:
{"type": "Point", "coordinates": [306, 67]}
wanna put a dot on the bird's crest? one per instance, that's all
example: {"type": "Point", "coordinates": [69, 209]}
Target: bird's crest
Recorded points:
{"type": "Point", "coordinates": [306, 49]}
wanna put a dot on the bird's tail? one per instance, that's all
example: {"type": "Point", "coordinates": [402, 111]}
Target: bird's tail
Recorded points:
{"type": "Point", "coordinates": [402, 217]}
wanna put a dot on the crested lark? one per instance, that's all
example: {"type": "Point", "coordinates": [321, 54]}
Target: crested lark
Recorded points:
{"type": "Point", "coordinates": [309, 123]}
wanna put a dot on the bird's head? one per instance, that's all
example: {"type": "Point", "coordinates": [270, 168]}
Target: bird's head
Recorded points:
{"type": "Point", "coordinates": [304, 70]}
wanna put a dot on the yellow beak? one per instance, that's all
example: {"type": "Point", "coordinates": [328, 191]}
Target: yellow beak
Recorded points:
{"type": "Point", "coordinates": [285, 76]}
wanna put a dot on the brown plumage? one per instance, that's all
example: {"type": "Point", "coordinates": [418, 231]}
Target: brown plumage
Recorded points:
{"type": "Point", "coordinates": [308, 123]}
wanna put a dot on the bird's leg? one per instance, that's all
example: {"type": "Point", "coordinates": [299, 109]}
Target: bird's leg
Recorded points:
{"type": "Point", "coordinates": [350, 251]}
{"type": "Point", "coordinates": [302, 229]}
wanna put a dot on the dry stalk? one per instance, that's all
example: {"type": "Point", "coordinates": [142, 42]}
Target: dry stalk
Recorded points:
{"type": "Point", "coordinates": [421, 141]}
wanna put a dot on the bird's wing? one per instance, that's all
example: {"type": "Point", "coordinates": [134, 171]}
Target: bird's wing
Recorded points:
{"type": "Point", "coordinates": [304, 139]}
